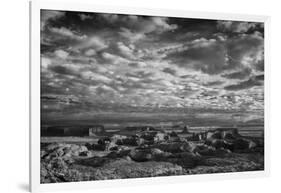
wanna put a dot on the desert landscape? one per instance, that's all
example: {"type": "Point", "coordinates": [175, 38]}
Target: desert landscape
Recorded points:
{"type": "Point", "coordinates": [136, 152]}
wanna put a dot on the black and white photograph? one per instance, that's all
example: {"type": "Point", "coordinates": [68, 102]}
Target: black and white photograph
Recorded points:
{"type": "Point", "coordinates": [136, 96]}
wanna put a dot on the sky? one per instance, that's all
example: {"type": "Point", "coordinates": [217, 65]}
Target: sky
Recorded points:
{"type": "Point", "coordinates": [92, 63]}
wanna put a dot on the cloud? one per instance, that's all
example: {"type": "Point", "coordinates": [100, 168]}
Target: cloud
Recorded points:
{"type": "Point", "coordinates": [170, 71]}
{"type": "Point", "coordinates": [66, 69]}
{"type": "Point", "coordinates": [63, 70]}
{"type": "Point", "coordinates": [161, 24]}
{"type": "Point", "coordinates": [133, 37]}
{"type": "Point", "coordinates": [95, 76]}
{"type": "Point", "coordinates": [96, 43]}
{"type": "Point", "coordinates": [125, 51]}
{"type": "Point", "coordinates": [213, 57]}
{"type": "Point", "coordinates": [137, 28]}
{"type": "Point", "coordinates": [85, 16]}
{"type": "Point", "coordinates": [138, 64]}
{"type": "Point", "coordinates": [236, 26]}
{"type": "Point", "coordinates": [45, 62]}
{"type": "Point", "coordinates": [251, 82]}
{"type": "Point", "coordinates": [202, 54]}
{"type": "Point", "coordinates": [66, 33]}
{"type": "Point", "coordinates": [61, 54]}
{"type": "Point", "coordinates": [113, 59]}
{"type": "Point", "coordinates": [111, 18]}
{"type": "Point", "coordinates": [213, 83]}
{"type": "Point", "coordinates": [141, 74]}
{"type": "Point", "coordinates": [47, 15]}
{"type": "Point", "coordinates": [246, 51]}
{"type": "Point", "coordinates": [90, 52]}
{"type": "Point", "coordinates": [238, 74]}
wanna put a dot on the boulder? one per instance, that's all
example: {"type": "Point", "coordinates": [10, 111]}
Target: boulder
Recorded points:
{"type": "Point", "coordinates": [118, 138]}
{"type": "Point", "coordinates": [243, 144]}
{"type": "Point", "coordinates": [204, 150]}
{"type": "Point", "coordinates": [63, 151]}
{"type": "Point", "coordinates": [85, 154]}
{"type": "Point", "coordinates": [175, 147]}
{"type": "Point", "coordinates": [104, 141]}
{"type": "Point", "coordinates": [229, 136]}
{"type": "Point", "coordinates": [131, 141]}
{"type": "Point", "coordinates": [98, 147]}
{"type": "Point", "coordinates": [140, 155]}
{"type": "Point", "coordinates": [220, 143]}
{"type": "Point", "coordinates": [110, 145]}
{"type": "Point", "coordinates": [213, 135]}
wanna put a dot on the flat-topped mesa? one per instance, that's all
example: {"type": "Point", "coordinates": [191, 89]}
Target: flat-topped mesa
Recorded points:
{"type": "Point", "coordinates": [73, 130]}
{"type": "Point", "coordinates": [96, 130]}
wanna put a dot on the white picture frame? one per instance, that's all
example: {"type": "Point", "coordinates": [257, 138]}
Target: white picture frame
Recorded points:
{"type": "Point", "coordinates": [35, 7]}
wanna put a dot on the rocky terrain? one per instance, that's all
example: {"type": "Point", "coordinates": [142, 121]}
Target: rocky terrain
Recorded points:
{"type": "Point", "coordinates": [149, 153]}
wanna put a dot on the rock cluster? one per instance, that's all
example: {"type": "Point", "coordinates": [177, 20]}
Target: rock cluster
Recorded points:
{"type": "Point", "coordinates": [144, 154]}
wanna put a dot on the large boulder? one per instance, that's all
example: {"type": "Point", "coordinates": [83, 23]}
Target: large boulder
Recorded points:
{"type": "Point", "coordinates": [85, 154]}
{"type": "Point", "coordinates": [118, 138]}
{"type": "Point", "coordinates": [230, 134]}
{"type": "Point", "coordinates": [63, 151]}
{"type": "Point", "coordinates": [110, 146]}
{"type": "Point", "coordinates": [104, 141]}
{"type": "Point", "coordinates": [131, 141]}
{"type": "Point", "coordinates": [175, 147]}
{"type": "Point", "coordinates": [243, 144]}
{"type": "Point", "coordinates": [141, 155]}
{"type": "Point", "coordinates": [213, 135]}
{"type": "Point", "coordinates": [220, 143]}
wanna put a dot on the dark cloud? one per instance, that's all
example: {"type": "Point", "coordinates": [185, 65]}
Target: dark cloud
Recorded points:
{"type": "Point", "coordinates": [238, 26]}
{"type": "Point", "coordinates": [170, 71]}
{"type": "Point", "coordinates": [251, 82]}
{"type": "Point", "coordinates": [213, 83]}
{"type": "Point", "coordinates": [205, 55]}
{"type": "Point", "coordinates": [238, 75]}
{"type": "Point", "coordinates": [63, 70]}
{"type": "Point", "coordinates": [246, 51]}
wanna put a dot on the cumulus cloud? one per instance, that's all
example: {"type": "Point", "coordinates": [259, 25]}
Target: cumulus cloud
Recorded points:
{"type": "Point", "coordinates": [128, 34]}
{"type": "Point", "coordinates": [137, 27]}
{"type": "Point", "coordinates": [205, 55]}
{"type": "Point", "coordinates": [238, 74]}
{"type": "Point", "coordinates": [47, 15]}
{"type": "Point", "coordinates": [61, 54]}
{"type": "Point", "coordinates": [66, 69]}
{"type": "Point", "coordinates": [96, 43]}
{"type": "Point", "coordinates": [45, 62]}
{"type": "Point", "coordinates": [90, 52]}
{"type": "Point", "coordinates": [113, 59]}
{"type": "Point", "coordinates": [66, 33]}
{"type": "Point", "coordinates": [246, 50]}
{"type": "Point", "coordinates": [138, 64]}
{"type": "Point", "coordinates": [251, 82]}
{"type": "Point", "coordinates": [84, 16]}
{"type": "Point", "coordinates": [125, 50]}
{"type": "Point", "coordinates": [170, 71]}
{"type": "Point", "coordinates": [236, 26]}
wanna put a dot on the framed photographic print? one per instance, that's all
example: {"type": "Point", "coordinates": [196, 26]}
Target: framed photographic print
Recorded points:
{"type": "Point", "coordinates": [123, 96]}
